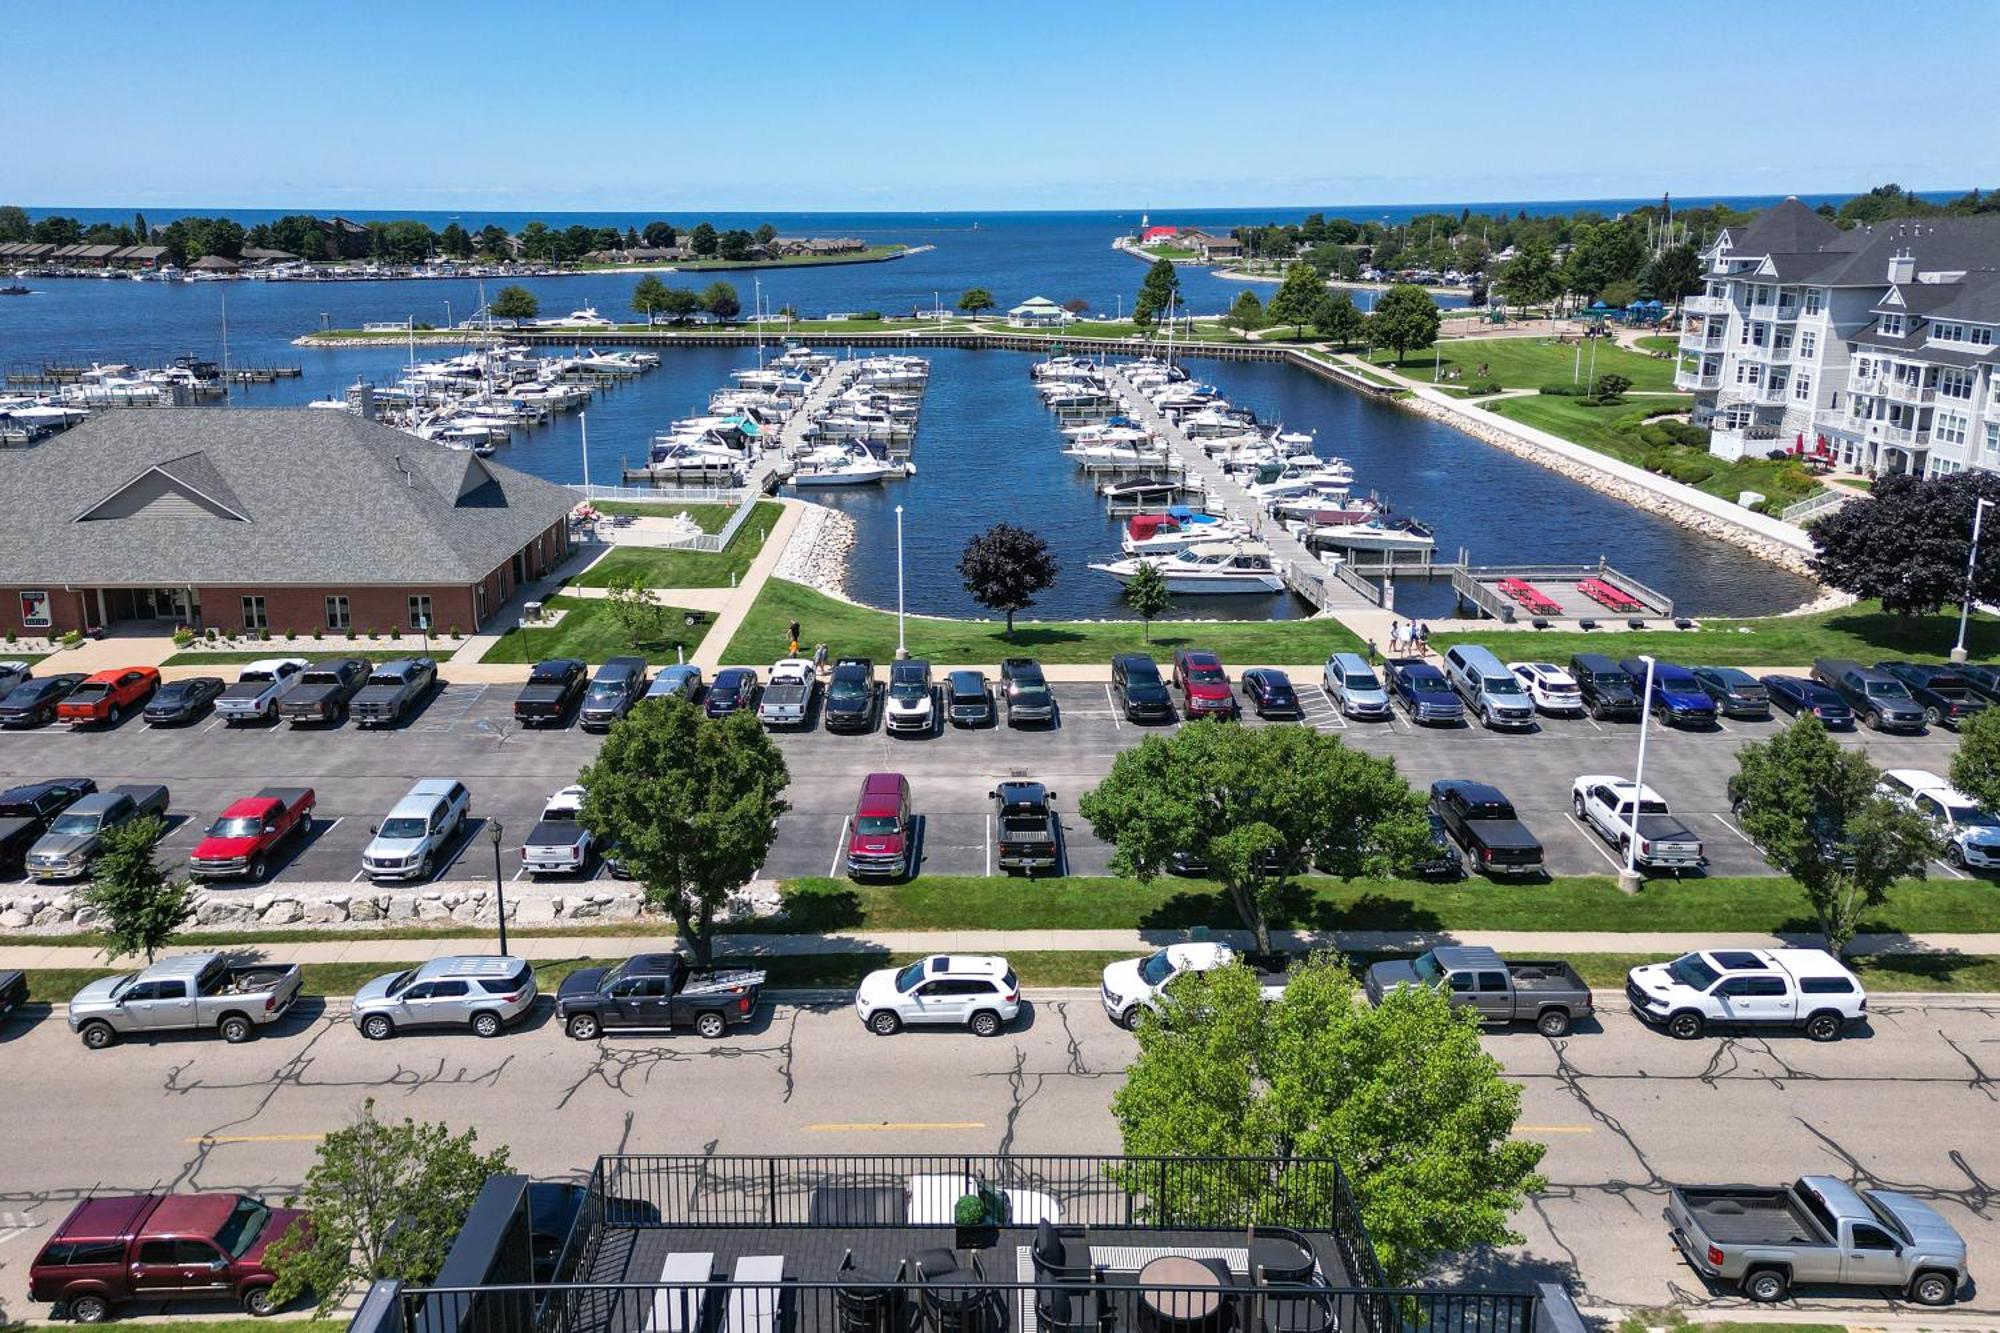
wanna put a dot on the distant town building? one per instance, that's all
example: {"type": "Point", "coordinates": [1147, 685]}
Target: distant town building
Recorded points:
{"type": "Point", "coordinates": [1038, 312]}
{"type": "Point", "coordinates": [785, 247]}
{"type": "Point", "coordinates": [345, 238]}
{"type": "Point", "coordinates": [1150, 235]}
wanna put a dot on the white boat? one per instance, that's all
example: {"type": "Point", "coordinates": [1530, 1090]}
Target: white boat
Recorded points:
{"type": "Point", "coordinates": [1374, 534]}
{"type": "Point", "coordinates": [1162, 534]}
{"type": "Point", "coordinates": [1295, 480]}
{"type": "Point", "coordinates": [1210, 569]}
{"type": "Point", "coordinates": [586, 318]}
{"type": "Point", "coordinates": [853, 470]}
{"type": "Point", "coordinates": [1128, 455]}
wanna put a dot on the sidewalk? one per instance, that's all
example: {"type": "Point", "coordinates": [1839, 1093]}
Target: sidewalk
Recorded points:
{"type": "Point", "coordinates": [727, 620]}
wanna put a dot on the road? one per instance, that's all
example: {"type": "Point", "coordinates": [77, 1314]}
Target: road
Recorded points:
{"type": "Point", "coordinates": [468, 732]}
{"type": "Point", "coordinates": [1908, 1103]}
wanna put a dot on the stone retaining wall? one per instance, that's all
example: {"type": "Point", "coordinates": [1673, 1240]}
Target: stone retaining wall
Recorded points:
{"type": "Point", "coordinates": [817, 553]}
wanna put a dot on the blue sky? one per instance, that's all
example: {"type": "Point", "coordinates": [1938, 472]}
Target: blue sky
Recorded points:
{"type": "Point", "coordinates": [1017, 105]}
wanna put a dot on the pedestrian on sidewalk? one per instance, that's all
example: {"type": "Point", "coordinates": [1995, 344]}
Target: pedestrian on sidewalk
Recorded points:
{"type": "Point", "coordinates": [1423, 632]}
{"type": "Point", "coordinates": [1395, 638]}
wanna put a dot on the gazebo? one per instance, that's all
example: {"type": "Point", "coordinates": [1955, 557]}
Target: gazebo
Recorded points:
{"type": "Point", "coordinates": [1038, 312]}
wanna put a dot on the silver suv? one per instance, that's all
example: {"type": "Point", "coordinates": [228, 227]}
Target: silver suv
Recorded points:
{"type": "Point", "coordinates": [411, 841]}
{"type": "Point", "coordinates": [1354, 687]}
{"type": "Point", "coordinates": [483, 993]}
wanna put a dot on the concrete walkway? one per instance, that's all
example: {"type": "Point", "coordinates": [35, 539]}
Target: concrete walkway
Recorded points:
{"type": "Point", "coordinates": [729, 617]}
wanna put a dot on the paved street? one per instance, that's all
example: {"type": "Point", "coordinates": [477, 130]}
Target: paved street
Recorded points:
{"type": "Point", "coordinates": [1908, 1103]}
{"type": "Point", "coordinates": [468, 732]}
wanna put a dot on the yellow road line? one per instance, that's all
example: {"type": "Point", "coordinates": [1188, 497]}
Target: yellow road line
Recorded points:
{"type": "Point", "coordinates": [257, 1138]}
{"type": "Point", "coordinates": [1554, 1129]}
{"type": "Point", "coordinates": [877, 1126]}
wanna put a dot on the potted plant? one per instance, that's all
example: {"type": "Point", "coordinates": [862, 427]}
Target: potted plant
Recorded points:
{"type": "Point", "coordinates": [976, 1220]}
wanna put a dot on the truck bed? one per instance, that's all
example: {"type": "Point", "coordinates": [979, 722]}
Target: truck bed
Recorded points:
{"type": "Point", "coordinates": [1549, 976]}
{"type": "Point", "coordinates": [1744, 1215]}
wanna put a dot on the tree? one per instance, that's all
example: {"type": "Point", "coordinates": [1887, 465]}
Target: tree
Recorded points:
{"type": "Point", "coordinates": [1258, 805]}
{"type": "Point", "coordinates": [14, 223]}
{"type": "Point", "coordinates": [1246, 312]}
{"type": "Point", "coordinates": [1604, 253]}
{"type": "Point", "coordinates": [1004, 567]}
{"type": "Point", "coordinates": [455, 241]}
{"type": "Point", "coordinates": [493, 241]}
{"type": "Point", "coordinates": [1907, 543]}
{"type": "Point", "coordinates": [976, 300]}
{"type": "Point", "coordinates": [1297, 298]}
{"type": "Point", "coordinates": [1611, 388]}
{"type": "Point", "coordinates": [1338, 321]}
{"type": "Point", "coordinates": [637, 609]}
{"type": "Point", "coordinates": [649, 297]}
{"type": "Point", "coordinates": [720, 299]}
{"type": "Point", "coordinates": [1076, 305]}
{"type": "Point", "coordinates": [1404, 319]}
{"type": "Point", "coordinates": [1157, 293]}
{"type": "Point", "coordinates": [1401, 1095]}
{"type": "Point", "coordinates": [734, 245]}
{"type": "Point", "coordinates": [140, 230]}
{"type": "Point", "coordinates": [660, 235]}
{"type": "Point", "coordinates": [1146, 592]}
{"type": "Point", "coordinates": [138, 907]}
{"type": "Point", "coordinates": [1975, 767]}
{"type": "Point", "coordinates": [679, 302]}
{"type": "Point", "coordinates": [766, 233]}
{"type": "Point", "coordinates": [1811, 807]}
{"type": "Point", "coordinates": [514, 303]}
{"type": "Point", "coordinates": [1529, 278]}
{"type": "Point", "coordinates": [703, 240]}
{"type": "Point", "coordinates": [692, 804]}
{"type": "Point", "coordinates": [386, 1199]}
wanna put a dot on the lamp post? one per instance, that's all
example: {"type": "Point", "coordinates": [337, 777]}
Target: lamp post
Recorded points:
{"type": "Point", "coordinates": [901, 651]}
{"type": "Point", "coordinates": [1971, 564]}
{"type": "Point", "coordinates": [496, 832]}
{"type": "Point", "coordinates": [583, 428]}
{"type": "Point", "coordinates": [1628, 878]}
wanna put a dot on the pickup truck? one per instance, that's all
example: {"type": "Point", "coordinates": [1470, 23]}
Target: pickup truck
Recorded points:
{"type": "Point", "coordinates": [139, 1247]}
{"type": "Point", "coordinates": [1947, 698]}
{"type": "Point", "coordinates": [558, 844]}
{"type": "Point", "coordinates": [552, 687]}
{"type": "Point", "coordinates": [1808, 989]}
{"type": "Point", "coordinates": [202, 992]}
{"type": "Point", "coordinates": [254, 697]}
{"type": "Point", "coordinates": [76, 836]}
{"type": "Point", "coordinates": [106, 697]}
{"type": "Point", "coordinates": [392, 689]}
{"type": "Point", "coordinates": [851, 696]}
{"type": "Point", "coordinates": [788, 697]}
{"type": "Point", "coordinates": [323, 691]}
{"type": "Point", "coordinates": [1819, 1230]}
{"type": "Point", "coordinates": [1545, 992]}
{"type": "Point", "coordinates": [1482, 821]}
{"type": "Point", "coordinates": [1424, 692]}
{"type": "Point", "coordinates": [1024, 827]}
{"type": "Point", "coordinates": [1665, 843]}
{"type": "Point", "coordinates": [657, 991]}
{"type": "Point", "coordinates": [1133, 986]}
{"type": "Point", "coordinates": [244, 837]}
{"type": "Point", "coordinates": [27, 811]}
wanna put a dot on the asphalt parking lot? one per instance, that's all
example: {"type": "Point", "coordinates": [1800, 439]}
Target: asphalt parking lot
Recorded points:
{"type": "Point", "coordinates": [468, 732]}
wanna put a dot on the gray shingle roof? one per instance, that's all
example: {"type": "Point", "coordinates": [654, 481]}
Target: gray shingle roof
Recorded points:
{"type": "Point", "coordinates": [329, 499]}
{"type": "Point", "coordinates": [1787, 228]}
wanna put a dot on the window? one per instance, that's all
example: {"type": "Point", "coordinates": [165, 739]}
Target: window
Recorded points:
{"type": "Point", "coordinates": [1947, 333]}
{"type": "Point", "coordinates": [195, 1252]}
{"type": "Point", "coordinates": [1808, 344]}
{"type": "Point", "coordinates": [1815, 300]}
{"type": "Point", "coordinates": [336, 613]}
{"type": "Point", "coordinates": [1893, 325]}
{"type": "Point", "coordinates": [96, 1252]}
{"type": "Point", "coordinates": [1493, 983]}
{"type": "Point", "coordinates": [1950, 427]}
{"type": "Point", "coordinates": [1944, 467]}
{"type": "Point", "coordinates": [1825, 986]}
{"type": "Point", "coordinates": [155, 1252]}
{"type": "Point", "coordinates": [1992, 445]}
{"type": "Point", "coordinates": [1953, 382]}
{"type": "Point", "coordinates": [1979, 337]}
{"type": "Point", "coordinates": [420, 613]}
{"type": "Point", "coordinates": [1872, 1238]}
{"type": "Point", "coordinates": [447, 990]}
{"type": "Point", "coordinates": [1802, 388]}
{"type": "Point", "coordinates": [253, 614]}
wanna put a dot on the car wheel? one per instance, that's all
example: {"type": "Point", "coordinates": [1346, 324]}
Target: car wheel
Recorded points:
{"type": "Point", "coordinates": [486, 1023]}
{"type": "Point", "coordinates": [584, 1027]}
{"type": "Point", "coordinates": [710, 1025]}
{"type": "Point", "coordinates": [1685, 1026]}
{"type": "Point", "coordinates": [1873, 719]}
{"type": "Point", "coordinates": [1576, 804]}
{"type": "Point", "coordinates": [986, 1023]}
{"type": "Point", "coordinates": [257, 1301]}
{"type": "Point", "coordinates": [884, 1024]}
{"type": "Point", "coordinates": [1553, 1023]}
{"type": "Point", "coordinates": [97, 1036]}
{"type": "Point", "coordinates": [1129, 1019]}
{"type": "Point", "coordinates": [111, 718]}
{"type": "Point", "coordinates": [377, 1027]}
{"type": "Point", "coordinates": [258, 869]}
{"type": "Point", "coordinates": [236, 1029]}
{"type": "Point", "coordinates": [1823, 1027]}
{"type": "Point", "coordinates": [89, 1309]}
{"type": "Point", "coordinates": [1955, 854]}
{"type": "Point", "coordinates": [424, 867]}
{"type": "Point", "coordinates": [1934, 1289]}
{"type": "Point", "coordinates": [1767, 1286]}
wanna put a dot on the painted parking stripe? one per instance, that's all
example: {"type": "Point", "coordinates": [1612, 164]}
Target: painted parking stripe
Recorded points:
{"type": "Point", "coordinates": [989, 842]}
{"type": "Point", "coordinates": [1730, 824]}
{"type": "Point", "coordinates": [1111, 699]}
{"type": "Point", "coordinates": [1951, 870]}
{"type": "Point", "coordinates": [467, 838]}
{"type": "Point", "coordinates": [839, 847]}
{"type": "Point", "coordinates": [1595, 841]}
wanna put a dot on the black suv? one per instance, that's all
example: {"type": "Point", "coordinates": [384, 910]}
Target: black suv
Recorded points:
{"type": "Point", "coordinates": [1141, 692]}
{"type": "Point", "coordinates": [1736, 692]}
{"type": "Point", "coordinates": [851, 696]}
{"type": "Point", "coordinates": [1026, 691]}
{"type": "Point", "coordinates": [1606, 689]}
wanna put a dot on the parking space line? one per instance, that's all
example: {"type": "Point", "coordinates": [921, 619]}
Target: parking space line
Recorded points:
{"type": "Point", "coordinates": [1730, 824]}
{"type": "Point", "coordinates": [839, 846]}
{"type": "Point", "coordinates": [1951, 870]}
{"type": "Point", "coordinates": [1591, 837]}
{"type": "Point", "coordinates": [466, 839]}
{"type": "Point", "coordinates": [989, 842]}
{"type": "Point", "coordinates": [1116, 722]}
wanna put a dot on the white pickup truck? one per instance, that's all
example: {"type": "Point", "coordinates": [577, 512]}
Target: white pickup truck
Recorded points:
{"type": "Point", "coordinates": [558, 844]}
{"type": "Point", "coordinates": [1797, 988]}
{"type": "Point", "coordinates": [788, 698]}
{"type": "Point", "coordinates": [1134, 985]}
{"type": "Point", "coordinates": [1606, 804]}
{"type": "Point", "coordinates": [257, 690]}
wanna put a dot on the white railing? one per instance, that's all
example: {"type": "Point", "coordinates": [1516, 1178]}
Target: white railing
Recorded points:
{"type": "Point", "coordinates": [1903, 391]}
{"type": "Point", "coordinates": [662, 494]}
{"type": "Point", "coordinates": [1706, 305]}
{"type": "Point", "coordinates": [1827, 500]}
{"type": "Point", "coordinates": [1696, 379]}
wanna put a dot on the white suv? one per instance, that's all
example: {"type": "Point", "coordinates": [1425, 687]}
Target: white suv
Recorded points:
{"type": "Point", "coordinates": [1971, 833]}
{"type": "Point", "coordinates": [967, 990]}
{"type": "Point", "coordinates": [1553, 689]}
{"type": "Point", "coordinates": [410, 842]}
{"type": "Point", "coordinates": [1353, 686]}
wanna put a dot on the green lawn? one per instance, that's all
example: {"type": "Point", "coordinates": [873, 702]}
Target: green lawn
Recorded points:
{"type": "Point", "coordinates": [847, 629]}
{"type": "Point", "coordinates": [711, 517]}
{"type": "Point", "coordinates": [1863, 631]}
{"type": "Point", "coordinates": [1168, 252]}
{"type": "Point", "coordinates": [1666, 344]}
{"type": "Point", "coordinates": [1529, 363]}
{"type": "Point", "coordinates": [669, 568]}
{"type": "Point", "coordinates": [410, 645]}
{"type": "Point", "coordinates": [591, 633]}
{"type": "Point", "coordinates": [1612, 429]}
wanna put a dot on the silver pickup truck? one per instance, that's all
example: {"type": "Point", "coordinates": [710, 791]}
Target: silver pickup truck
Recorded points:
{"type": "Point", "coordinates": [1816, 1231]}
{"type": "Point", "coordinates": [77, 834]}
{"type": "Point", "coordinates": [194, 992]}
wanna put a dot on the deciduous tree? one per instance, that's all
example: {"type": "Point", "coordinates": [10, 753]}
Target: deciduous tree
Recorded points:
{"type": "Point", "coordinates": [1146, 592]}
{"type": "Point", "coordinates": [1004, 567]}
{"type": "Point", "coordinates": [720, 299]}
{"type": "Point", "coordinates": [514, 303]}
{"type": "Point", "coordinates": [734, 245]}
{"type": "Point", "coordinates": [636, 607]}
{"type": "Point", "coordinates": [1975, 766]}
{"type": "Point", "coordinates": [1246, 312]}
{"type": "Point", "coordinates": [1908, 543]}
{"type": "Point", "coordinates": [660, 235]}
{"type": "Point", "coordinates": [139, 907]}
{"type": "Point", "coordinates": [976, 300]}
{"type": "Point", "coordinates": [692, 804]}
{"type": "Point", "coordinates": [1406, 319]}
{"type": "Point", "coordinates": [649, 297]}
{"type": "Point", "coordinates": [1530, 277]}
{"type": "Point", "coordinates": [1610, 388]}
{"type": "Point", "coordinates": [703, 240]}
{"type": "Point", "coordinates": [1673, 276]}
{"type": "Point", "coordinates": [1297, 298]}
{"type": "Point", "coordinates": [1338, 321]}
{"type": "Point", "coordinates": [1157, 293]}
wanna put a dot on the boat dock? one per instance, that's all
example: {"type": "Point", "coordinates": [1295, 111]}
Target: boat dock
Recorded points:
{"type": "Point", "coordinates": [1328, 587]}
{"type": "Point", "coordinates": [765, 472]}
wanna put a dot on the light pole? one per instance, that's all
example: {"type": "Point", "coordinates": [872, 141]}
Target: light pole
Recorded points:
{"type": "Point", "coordinates": [901, 651]}
{"type": "Point", "coordinates": [1971, 563]}
{"type": "Point", "coordinates": [1628, 878]}
{"type": "Point", "coordinates": [583, 426]}
{"type": "Point", "coordinates": [495, 831]}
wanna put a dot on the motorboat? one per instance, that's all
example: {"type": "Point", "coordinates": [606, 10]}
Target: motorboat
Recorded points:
{"type": "Point", "coordinates": [1209, 569]}
{"type": "Point", "coordinates": [1176, 530]}
{"type": "Point", "coordinates": [1374, 533]}
{"type": "Point", "coordinates": [1296, 479]}
{"type": "Point", "coordinates": [586, 318]}
{"type": "Point", "coordinates": [1124, 455]}
{"type": "Point", "coordinates": [851, 469]}
{"type": "Point", "coordinates": [1133, 490]}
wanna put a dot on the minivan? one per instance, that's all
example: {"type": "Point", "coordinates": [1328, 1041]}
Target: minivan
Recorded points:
{"type": "Point", "coordinates": [1354, 687]}
{"type": "Point", "coordinates": [1877, 698]}
{"type": "Point", "coordinates": [481, 991]}
{"type": "Point", "coordinates": [410, 842]}
{"type": "Point", "coordinates": [1490, 690]}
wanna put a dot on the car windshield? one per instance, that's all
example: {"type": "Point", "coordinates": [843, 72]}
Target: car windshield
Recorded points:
{"type": "Point", "coordinates": [606, 692]}
{"type": "Point", "coordinates": [1881, 689]}
{"type": "Point", "coordinates": [551, 677]}
{"type": "Point", "coordinates": [243, 826]}
{"type": "Point", "coordinates": [876, 824]}
{"type": "Point", "coordinates": [1426, 967]}
{"type": "Point", "coordinates": [907, 979]}
{"type": "Point", "coordinates": [849, 690]}
{"type": "Point", "coordinates": [405, 827]}
{"type": "Point", "coordinates": [1502, 685]}
{"type": "Point", "coordinates": [908, 685]}
{"type": "Point", "coordinates": [401, 982]}
{"type": "Point", "coordinates": [1691, 970]}
{"type": "Point", "coordinates": [967, 688]}
{"type": "Point", "coordinates": [1143, 674]}
{"type": "Point", "coordinates": [173, 694]}
{"type": "Point", "coordinates": [1156, 969]}
{"type": "Point", "coordinates": [70, 824]}
{"type": "Point", "coordinates": [242, 1227]}
{"type": "Point", "coordinates": [1205, 672]}
{"type": "Point", "coordinates": [1362, 680]}
{"type": "Point", "coordinates": [390, 679]}
{"type": "Point", "coordinates": [1972, 815]}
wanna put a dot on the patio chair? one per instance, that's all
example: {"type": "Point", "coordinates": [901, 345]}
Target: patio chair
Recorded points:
{"type": "Point", "coordinates": [1059, 1253]}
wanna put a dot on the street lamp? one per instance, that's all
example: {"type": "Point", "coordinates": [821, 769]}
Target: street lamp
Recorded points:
{"type": "Point", "coordinates": [495, 831]}
{"type": "Point", "coordinates": [583, 427]}
{"type": "Point", "coordinates": [901, 651]}
{"type": "Point", "coordinates": [1628, 878]}
{"type": "Point", "coordinates": [1971, 563]}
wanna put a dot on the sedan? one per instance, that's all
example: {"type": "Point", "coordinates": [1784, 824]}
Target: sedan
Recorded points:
{"type": "Point", "coordinates": [14, 673]}
{"type": "Point", "coordinates": [676, 682]}
{"type": "Point", "coordinates": [1270, 692]}
{"type": "Point", "coordinates": [967, 700]}
{"type": "Point", "coordinates": [734, 689]}
{"type": "Point", "coordinates": [1552, 689]}
{"type": "Point", "coordinates": [180, 701]}
{"type": "Point", "coordinates": [1736, 692]}
{"type": "Point", "coordinates": [1797, 695]}
{"type": "Point", "coordinates": [34, 703]}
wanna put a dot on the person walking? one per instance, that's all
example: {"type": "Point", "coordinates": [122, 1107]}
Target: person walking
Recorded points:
{"type": "Point", "coordinates": [1422, 630]}
{"type": "Point", "coordinates": [1395, 638]}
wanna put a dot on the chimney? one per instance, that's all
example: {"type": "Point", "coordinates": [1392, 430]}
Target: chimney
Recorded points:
{"type": "Point", "coordinates": [1902, 267]}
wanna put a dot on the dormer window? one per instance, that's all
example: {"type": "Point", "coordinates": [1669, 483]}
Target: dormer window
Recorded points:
{"type": "Point", "coordinates": [1893, 325]}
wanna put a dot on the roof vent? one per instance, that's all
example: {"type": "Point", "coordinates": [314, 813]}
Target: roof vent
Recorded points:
{"type": "Point", "coordinates": [1902, 267]}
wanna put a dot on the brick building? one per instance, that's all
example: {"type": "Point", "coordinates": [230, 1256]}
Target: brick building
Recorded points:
{"type": "Point", "coordinates": [278, 519]}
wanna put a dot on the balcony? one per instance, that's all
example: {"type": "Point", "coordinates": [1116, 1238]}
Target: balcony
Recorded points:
{"type": "Point", "coordinates": [1697, 341]}
{"type": "Point", "coordinates": [1784, 312]}
{"type": "Point", "coordinates": [1888, 434]}
{"type": "Point", "coordinates": [1706, 305]}
{"type": "Point", "coordinates": [1905, 392]}
{"type": "Point", "coordinates": [1686, 379]}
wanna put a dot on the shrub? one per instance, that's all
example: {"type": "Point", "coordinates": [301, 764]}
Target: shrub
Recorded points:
{"type": "Point", "coordinates": [263, 636]}
{"type": "Point", "coordinates": [1687, 433]}
{"type": "Point", "coordinates": [1562, 390]}
{"type": "Point", "coordinates": [395, 632]}
{"type": "Point", "coordinates": [1691, 472]}
{"type": "Point", "coordinates": [350, 634]}
{"type": "Point", "coordinates": [209, 634]}
{"type": "Point", "coordinates": [10, 636]}
{"type": "Point", "coordinates": [291, 636]}
{"type": "Point", "coordinates": [1655, 437]}
{"type": "Point", "coordinates": [1484, 386]}
{"type": "Point", "coordinates": [70, 638]}
{"type": "Point", "coordinates": [183, 636]}
{"type": "Point", "coordinates": [870, 314]}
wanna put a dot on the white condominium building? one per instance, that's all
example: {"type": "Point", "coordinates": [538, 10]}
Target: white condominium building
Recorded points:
{"type": "Point", "coordinates": [1879, 346]}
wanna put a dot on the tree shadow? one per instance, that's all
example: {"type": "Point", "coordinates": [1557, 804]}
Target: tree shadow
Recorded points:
{"type": "Point", "coordinates": [817, 909]}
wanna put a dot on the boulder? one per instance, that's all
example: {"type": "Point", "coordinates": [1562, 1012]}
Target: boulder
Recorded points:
{"type": "Point", "coordinates": [402, 907]}
{"type": "Point", "coordinates": [535, 910]}
{"type": "Point", "coordinates": [364, 909]}
{"type": "Point", "coordinates": [431, 907]}
{"type": "Point", "coordinates": [468, 910]}
{"type": "Point", "coordinates": [323, 910]}
{"type": "Point", "coordinates": [15, 918]}
{"type": "Point", "coordinates": [282, 912]}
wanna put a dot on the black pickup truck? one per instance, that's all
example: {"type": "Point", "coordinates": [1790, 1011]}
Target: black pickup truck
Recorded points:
{"type": "Point", "coordinates": [393, 689]}
{"type": "Point", "coordinates": [1024, 828]}
{"type": "Point", "coordinates": [323, 690]}
{"type": "Point", "coordinates": [27, 811]}
{"type": "Point", "coordinates": [851, 696]}
{"type": "Point", "coordinates": [657, 991]}
{"type": "Point", "coordinates": [1483, 822]}
{"type": "Point", "coordinates": [552, 687]}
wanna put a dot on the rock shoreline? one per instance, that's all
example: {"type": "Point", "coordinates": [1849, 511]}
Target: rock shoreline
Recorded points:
{"type": "Point", "coordinates": [817, 554]}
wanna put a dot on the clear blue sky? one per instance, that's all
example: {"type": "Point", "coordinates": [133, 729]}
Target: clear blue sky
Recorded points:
{"type": "Point", "coordinates": [945, 104]}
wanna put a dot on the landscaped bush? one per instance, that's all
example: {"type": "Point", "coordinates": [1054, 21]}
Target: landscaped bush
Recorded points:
{"type": "Point", "coordinates": [1690, 472]}
{"type": "Point", "coordinates": [183, 636]}
{"type": "Point", "coordinates": [1562, 390]}
{"type": "Point", "coordinates": [1655, 438]}
{"type": "Point", "coordinates": [869, 314]}
{"type": "Point", "coordinates": [1686, 432]}
{"type": "Point", "coordinates": [1483, 386]}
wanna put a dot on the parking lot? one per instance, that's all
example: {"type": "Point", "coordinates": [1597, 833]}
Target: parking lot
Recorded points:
{"type": "Point", "coordinates": [468, 732]}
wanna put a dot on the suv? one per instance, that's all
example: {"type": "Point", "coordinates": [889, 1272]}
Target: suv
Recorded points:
{"type": "Point", "coordinates": [1877, 698]}
{"type": "Point", "coordinates": [912, 705]}
{"type": "Point", "coordinates": [1489, 689]}
{"type": "Point", "coordinates": [409, 843]}
{"type": "Point", "coordinates": [1135, 678]}
{"type": "Point", "coordinates": [1203, 684]}
{"type": "Point", "coordinates": [1736, 692]}
{"type": "Point", "coordinates": [1549, 687]}
{"type": "Point", "coordinates": [484, 993]}
{"type": "Point", "coordinates": [979, 992]}
{"type": "Point", "coordinates": [618, 685]}
{"type": "Point", "coordinates": [1607, 691]}
{"type": "Point", "coordinates": [1971, 834]}
{"type": "Point", "coordinates": [1026, 691]}
{"type": "Point", "coordinates": [1354, 687]}
{"type": "Point", "coordinates": [881, 830]}
{"type": "Point", "coordinates": [734, 690]}
{"type": "Point", "coordinates": [967, 700]}
{"type": "Point", "coordinates": [850, 696]}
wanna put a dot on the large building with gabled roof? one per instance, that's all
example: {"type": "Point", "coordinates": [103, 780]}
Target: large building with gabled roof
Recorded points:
{"type": "Point", "coordinates": [265, 519]}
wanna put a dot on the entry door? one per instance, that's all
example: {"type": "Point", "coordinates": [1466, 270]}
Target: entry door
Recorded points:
{"type": "Point", "coordinates": [1492, 1000]}
{"type": "Point", "coordinates": [1875, 1258]}
{"type": "Point", "coordinates": [203, 1269]}
{"type": "Point", "coordinates": [940, 1002]}
{"type": "Point", "coordinates": [156, 1270]}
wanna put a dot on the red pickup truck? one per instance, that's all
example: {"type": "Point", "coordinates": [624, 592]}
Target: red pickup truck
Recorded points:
{"type": "Point", "coordinates": [130, 1247]}
{"type": "Point", "coordinates": [109, 695]}
{"type": "Point", "coordinates": [243, 838]}
{"type": "Point", "coordinates": [882, 829]}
